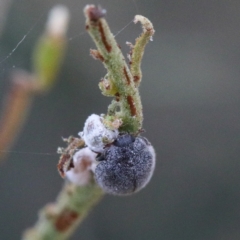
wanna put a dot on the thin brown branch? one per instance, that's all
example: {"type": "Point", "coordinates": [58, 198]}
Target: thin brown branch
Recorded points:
{"type": "Point", "coordinates": [17, 105]}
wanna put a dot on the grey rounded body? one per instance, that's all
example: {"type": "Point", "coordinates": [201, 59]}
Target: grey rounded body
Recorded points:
{"type": "Point", "coordinates": [126, 166]}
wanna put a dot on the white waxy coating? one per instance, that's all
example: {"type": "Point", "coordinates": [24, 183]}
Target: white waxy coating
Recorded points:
{"type": "Point", "coordinates": [152, 151]}
{"type": "Point", "coordinates": [84, 163]}
{"type": "Point", "coordinates": [96, 135]}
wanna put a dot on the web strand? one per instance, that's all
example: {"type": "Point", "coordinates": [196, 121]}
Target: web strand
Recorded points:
{"type": "Point", "coordinates": [123, 28]}
{"type": "Point", "coordinates": [30, 153]}
{"type": "Point", "coordinates": [22, 40]}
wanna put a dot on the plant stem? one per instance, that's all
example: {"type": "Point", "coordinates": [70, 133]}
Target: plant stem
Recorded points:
{"type": "Point", "coordinates": [138, 48]}
{"type": "Point", "coordinates": [119, 76]}
{"type": "Point", "coordinates": [47, 58]}
{"type": "Point", "coordinates": [17, 105]}
{"type": "Point", "coordinates": [58, 220]}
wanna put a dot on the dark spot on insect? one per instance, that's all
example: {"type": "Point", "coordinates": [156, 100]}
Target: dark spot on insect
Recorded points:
{"type": "Point", "coordinates": [99, 157]}
{"type": "Point", "coordinates": [124, 140]}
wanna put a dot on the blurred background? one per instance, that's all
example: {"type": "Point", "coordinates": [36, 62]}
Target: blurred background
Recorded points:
{"type": "Point", "coordinates": [191, 98]}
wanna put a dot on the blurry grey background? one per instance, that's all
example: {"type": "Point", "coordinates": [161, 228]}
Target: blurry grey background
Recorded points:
{"type": "Point", "coordinates": [191, 99]}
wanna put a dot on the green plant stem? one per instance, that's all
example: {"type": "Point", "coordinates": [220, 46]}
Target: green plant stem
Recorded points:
{"type": "Point", "coordinates": [119, 75]}
{"type": "Point", "coordinates": [138, 48]}
{"type": "Point", "coordinates": [58, 220]}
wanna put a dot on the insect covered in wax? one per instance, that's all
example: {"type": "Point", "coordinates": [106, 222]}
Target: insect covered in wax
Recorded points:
{"type": "Point", "coordinates": [125, 166]}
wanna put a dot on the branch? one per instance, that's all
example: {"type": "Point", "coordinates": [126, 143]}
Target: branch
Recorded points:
{"type": "Point", "coordinates": [119, 80]}
{"type": "Point", "coordinates": [47, 59]}
{"type": "Point", "coordinates": [58, 220]}
{"type": "Point", "coordinates": [138, 49]}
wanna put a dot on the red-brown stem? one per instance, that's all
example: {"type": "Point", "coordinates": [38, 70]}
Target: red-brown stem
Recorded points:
{"type": "Point", "coordinates": [17, 105]}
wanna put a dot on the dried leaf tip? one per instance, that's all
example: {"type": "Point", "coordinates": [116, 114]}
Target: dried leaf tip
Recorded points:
{"type": "Point", "coordinates": [146, 24]}
{"type": "Point", "coordinates": [94, 13]}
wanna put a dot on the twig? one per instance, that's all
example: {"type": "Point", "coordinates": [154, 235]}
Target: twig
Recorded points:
{"type": "Point", "coordinates": [138, 48]}
{"type": "Point", "coordinates": [17, 106]}
{"type": "Point", "coordinates": [58, 220]}
{"type": "Point", "coordinates": [47, 59]}
{"type": "Point", "coordinates": [119, 80]}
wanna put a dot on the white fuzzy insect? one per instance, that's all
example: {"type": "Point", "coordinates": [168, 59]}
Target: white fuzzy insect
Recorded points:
{"type": "Point", "coordinates": [96, 135]}
{"type": "Point", "coordinates": [84, 164]}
